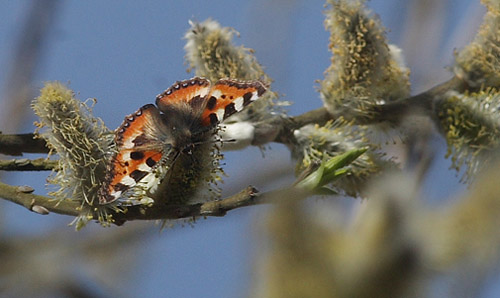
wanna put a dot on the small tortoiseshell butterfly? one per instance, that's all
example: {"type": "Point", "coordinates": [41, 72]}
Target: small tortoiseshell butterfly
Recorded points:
{"type": "Point", "coordinates": [185, 116]}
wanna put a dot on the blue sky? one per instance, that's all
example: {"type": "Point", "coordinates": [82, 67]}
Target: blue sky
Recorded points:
{"type": "Point", "coordinates": [125, 53]}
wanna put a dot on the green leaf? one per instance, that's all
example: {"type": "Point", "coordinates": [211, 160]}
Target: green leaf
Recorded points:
{"type": "Point", "coordinates": [329, 170]}
{"type": "Point", "coordinates": [325, 191]}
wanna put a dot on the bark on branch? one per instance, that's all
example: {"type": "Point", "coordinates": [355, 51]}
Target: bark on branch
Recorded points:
{"type": "Point", "coordinates": [24, 164]}
{"type": "Point", "coordinates": [249, 196]}
{"type": "Point", "coordinates": [16, 145]}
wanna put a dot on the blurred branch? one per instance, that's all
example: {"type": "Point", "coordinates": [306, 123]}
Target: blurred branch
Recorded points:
{"type": "Point", "coordinates": [23, 164]}
{"type": "Point", "coordinates": [422, 103]}
{"type": "Point", "coordinates": [25, 60]}
{"type": "Point", "coordinates": [89, 251]}
{"type": "Point", "coordinates": [247, 197]}
{"type": "Point", "coordinates": [22, 143]}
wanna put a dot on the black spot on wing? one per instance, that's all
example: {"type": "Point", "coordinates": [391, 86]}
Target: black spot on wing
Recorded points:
{"type": "Point", "coordinates": [213, 119]}
{"type": "Point", "coordinates": [261, 89]}
{"type": "Point", "coordinates": [247, 98]}
{"type": "Point", "coordinates": [137, 175]}
{"type": "Point", "coordinates": [229, 110]}
{"type": "Point", "coordinates": [150, 162]}
{"type": "Point", "coordinates": [196, 102]}
{"type": "Point", "coordinates": [212, 101]}
{"type": "Point", "coordinates": [136, 155]}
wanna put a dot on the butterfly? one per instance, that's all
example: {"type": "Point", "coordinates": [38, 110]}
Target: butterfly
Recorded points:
{"type": "Point", "coordinates": [156, 142]}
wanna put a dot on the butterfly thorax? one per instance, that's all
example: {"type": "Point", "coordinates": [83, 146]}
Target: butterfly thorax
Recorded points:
{"type": "Point", "coordinates": [184, 127]}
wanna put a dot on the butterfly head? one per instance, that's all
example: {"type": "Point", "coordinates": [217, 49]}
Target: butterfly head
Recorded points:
{"type": "Point", "coordinates": [182, 138]}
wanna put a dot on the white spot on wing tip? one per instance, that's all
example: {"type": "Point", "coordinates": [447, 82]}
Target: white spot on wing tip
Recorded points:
{"type": "Point", "coordinates": [220, 114]}
{"type": "Point", "coordinates": [216, 93]}
{"type": "Point", "coordinates": [238, 104]}
{"type": "Point", "coordinates": [255, 96]}
{"type": "Point", "coordinates": [204, 92]}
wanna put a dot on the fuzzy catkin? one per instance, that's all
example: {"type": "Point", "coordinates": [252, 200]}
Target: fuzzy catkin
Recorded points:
{"type": "Point", "coordinates": [210, 52]}
{"type": "Point", "coordinates": [365, 71]}
{"type": "Point", "coordinates": [316, 143]}
{"type": "Point", "coordinates": [82, 142]}
{"type": "Point", "coordinates": [479, 62]}
{"type": "Point", "coordinates": [470, 124]}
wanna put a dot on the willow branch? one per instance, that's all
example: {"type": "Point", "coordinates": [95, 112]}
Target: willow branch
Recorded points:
{"type": "Point", "coordinates": [21, 143]}
{"type": "Point", "coordinates": [280, 128]}
{"type": "Point", "coordinates": [423, 103]}
{"type": "Point", "coordinates": [23, 164]}
{"type": "Point", "coordinates": [27, 56]}
{"type": "Point", "coordinates": [247, 197]}
{"type": "Point", "coordinates": [22, 195]}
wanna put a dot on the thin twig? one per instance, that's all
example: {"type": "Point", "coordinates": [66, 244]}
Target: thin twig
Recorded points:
{"type": "Point", "coordinates": [246, 197]}
{"type": "Point", "coordinates": [23, 164]}
{"type": "Point", "coordinates": [27, 57]}
{"type": "Point", "coordinates": [423, 103]}
{"type": "Point", "coordinates": [16, 145]}
{"type": "Point", "coordinates": [23, 197]}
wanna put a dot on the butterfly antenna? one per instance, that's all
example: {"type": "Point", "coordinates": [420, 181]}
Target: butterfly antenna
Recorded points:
{"type": "Point", "coordinates": [177, 154]}
{"type": "Point", "coordinates": [171, 161]}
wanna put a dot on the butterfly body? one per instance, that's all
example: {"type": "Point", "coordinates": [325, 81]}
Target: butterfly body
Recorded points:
{"type": "Point", "coordinates": [165, 151]}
